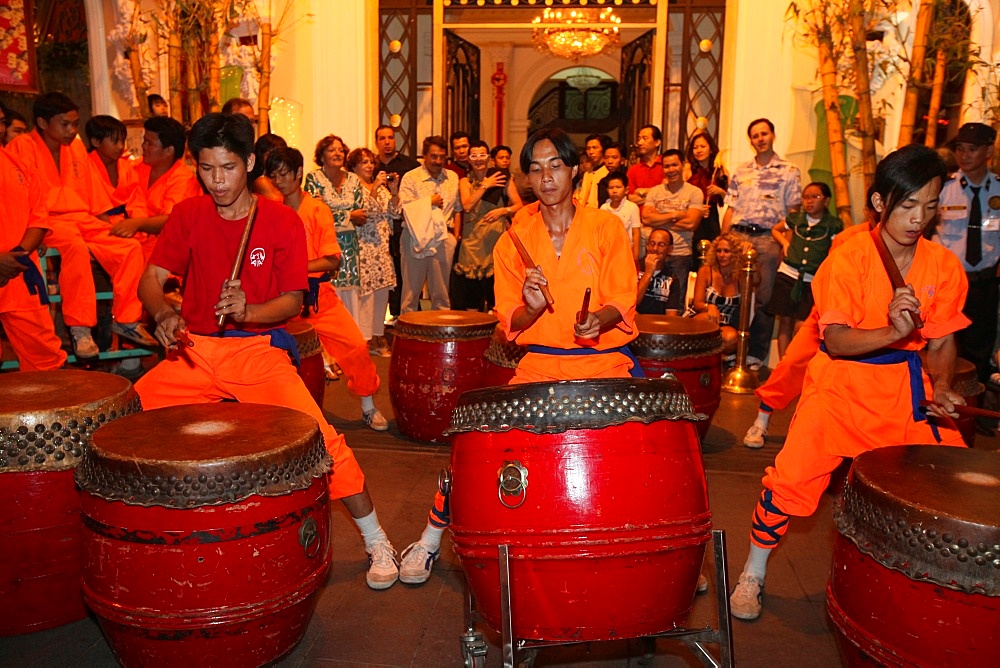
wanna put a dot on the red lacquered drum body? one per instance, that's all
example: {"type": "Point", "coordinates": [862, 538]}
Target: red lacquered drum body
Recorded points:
{"type": "Point", "coordinates": [311, 353]}
{"type": "Point", "coordinates": [46, 422]}
{"type": "Point", "coordinates": [502, 357]}
{"type": "Point", "coordinates": [598, 489]}
{"type": "Point", "coordinates": [207, 533]}
{"type": "Point", "coordinates": [916, 568]}
{"type": "Point", "coordinates": [691, 350]}
{"type": "Point", "coordinates": [436, 355]}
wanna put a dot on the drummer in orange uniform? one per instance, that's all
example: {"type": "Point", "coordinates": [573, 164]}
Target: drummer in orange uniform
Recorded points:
{"type": "Point", "coordinates": [573, 248]}
{"type": "Point", "coordinates": [23, 314]}
{"type": "Point", "coordinates": [864, 387]}
{"type": "Point", "coordinates": [246, 359]}
{"type": "Point", "coordinates": [597, 255]}
{"type": "Point", "coordinates": [334, 325]}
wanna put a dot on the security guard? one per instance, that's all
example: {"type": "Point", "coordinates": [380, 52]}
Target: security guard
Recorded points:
{"type": "Point", "coordinates": [970, 228]}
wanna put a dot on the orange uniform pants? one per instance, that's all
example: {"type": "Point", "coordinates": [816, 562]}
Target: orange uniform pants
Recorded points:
{"type": "Point", "coordinates": [342, 339]}
{"type": "Point", "coordinates": [785, 382]}
{"type": "Point", "coordinates": [29, 328]}
{"type": "Point", "coordinates": [76, 236]}
{"type": "Point", "coordinates": [248, 370]}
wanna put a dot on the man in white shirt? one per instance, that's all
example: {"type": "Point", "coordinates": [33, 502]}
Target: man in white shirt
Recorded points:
{"type": "Point", "coordinates": [429, 197]}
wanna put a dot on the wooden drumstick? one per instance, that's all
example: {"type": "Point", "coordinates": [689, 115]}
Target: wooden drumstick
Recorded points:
{"type": "Point", "coordinates": [526, 259]}
{"type": "Point", "coordinates": [970, 411]}
{"type": "Point", "coordinates": [238, 262]}
{"type": "Point", "coordinates": [584, 308]}
{"type": "Point", "coordinates": [895, 277]}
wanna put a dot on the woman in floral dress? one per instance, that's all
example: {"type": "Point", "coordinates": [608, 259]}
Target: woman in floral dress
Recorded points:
{"type": "Point", "coordinates": [340, 190]}
{"type": "Point", "coordinates": [380, 199]}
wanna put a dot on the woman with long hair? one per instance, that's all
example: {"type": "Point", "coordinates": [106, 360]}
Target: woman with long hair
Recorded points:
{"type": "Point", "coordinates": [717, 289]}
{"type": "Point", "coordinates": [863, 389]}
{"type": "Point", "coordinates": [703, 170]}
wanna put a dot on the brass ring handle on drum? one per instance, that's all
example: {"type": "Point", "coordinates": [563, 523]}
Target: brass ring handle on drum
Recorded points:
{"type": "Point", "coordinates": [444, 481]}
{"type": "Point", "coordinates": [309, 537]}
{"type": "Point", "coordinates": [512, 480]}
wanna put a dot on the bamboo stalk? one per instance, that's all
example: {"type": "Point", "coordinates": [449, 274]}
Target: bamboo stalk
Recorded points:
{"type": "Point", "coordinates": [138, 83]}
{"type": "Point", "coordinates": [214, 84]}
{"type": "Point", "coordinates": [937, 90]}
{"type": "Point", "coordinates": [174, 68]}
{"type": "Point", "coordinates": [835, 130]}
{"type": "Point", "coordinates": [925, 17]}
{"type": "Point", "coordinates": [264, 91]}
{"type": "Point", "coordinates": [866, 118]}
{"type": "Point", "coordinates": [193, 96]}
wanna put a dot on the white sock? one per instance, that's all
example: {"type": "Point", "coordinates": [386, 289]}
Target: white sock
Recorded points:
{"type": "Point", "coordinates": [371, 530]}
{"type": "Point", "coordinates": [431, 538]}
{"type": "Point", "coordinates": [757, 562]}
{"type": "Point", "coordinates": [763, 418]}
{"type": "Point", "coordinates": [367, 404]}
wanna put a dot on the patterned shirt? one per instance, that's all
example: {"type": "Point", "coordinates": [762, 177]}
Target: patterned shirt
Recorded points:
{"type": "Point", "coordinates": [953, 230]}
{"type": "Point", "coordinates": [763, 195]}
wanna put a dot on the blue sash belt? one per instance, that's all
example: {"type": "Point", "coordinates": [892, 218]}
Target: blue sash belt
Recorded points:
{"type": "Point", "coordinates": [117, 211]}
{"type": "Point", "coordinates": [280, 338]}
{"type": "Point", "coordinates": [896, 356]}
{"type": "Point", "coordinates": [635, 372]}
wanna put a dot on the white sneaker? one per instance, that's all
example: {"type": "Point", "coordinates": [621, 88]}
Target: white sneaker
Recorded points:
{"type": "Point", "coordinates": [416, 564]}
{"type": "Point", "coordinates": [135, 332]}
{"type": "Point", "coordinates": [83, 342]}
{"type": "Point", "coordinates": [383, 570]}
{"type": "Point", "coordinates": [755, 437]}
{"type": "Point", "coordinates": [754, 363]}
{"type": "Point", "coordinates": [745, 603]}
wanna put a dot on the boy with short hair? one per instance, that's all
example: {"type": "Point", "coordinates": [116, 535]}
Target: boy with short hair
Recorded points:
{"type": "Point", "coordinates": [616, 185]}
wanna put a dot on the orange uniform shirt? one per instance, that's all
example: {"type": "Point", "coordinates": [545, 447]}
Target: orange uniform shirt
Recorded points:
{"type": "Point", "coordinates": [22, 206]}
{"type": "Point", "coordinates": [127, 191]}
{"type": "Point", "coordinates": [321, 233]}
{"type": "Point", "coordinates": [72, 187]}
{"type": "Point", "coordinates": [597, 255]}
{"type": "Point", "coordinates": [176, 185]}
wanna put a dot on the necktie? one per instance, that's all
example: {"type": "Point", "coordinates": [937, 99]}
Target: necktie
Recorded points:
{"type": "Point", "coordinates": [974, 243]}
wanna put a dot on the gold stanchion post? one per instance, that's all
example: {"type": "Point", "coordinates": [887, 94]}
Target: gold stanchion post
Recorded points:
{"type": "Point", "coordinates": [740, 379]}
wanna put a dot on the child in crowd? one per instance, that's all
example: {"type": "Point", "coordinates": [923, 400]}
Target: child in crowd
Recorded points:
{"type": "Point", "coordinates": [805, 238]}
{"type": "Point", "coordinates": [616, 184]}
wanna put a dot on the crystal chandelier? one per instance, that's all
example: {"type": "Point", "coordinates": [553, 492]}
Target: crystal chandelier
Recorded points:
{"type": "Point", "coordinates": [577, 33]}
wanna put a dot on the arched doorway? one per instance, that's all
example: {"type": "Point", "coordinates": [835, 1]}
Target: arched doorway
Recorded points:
{"type": "Point", "coordinates": [581, 100]}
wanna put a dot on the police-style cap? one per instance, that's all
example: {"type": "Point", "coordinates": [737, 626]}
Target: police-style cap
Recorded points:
{"type": "Point", "coordinates": [976, 134]}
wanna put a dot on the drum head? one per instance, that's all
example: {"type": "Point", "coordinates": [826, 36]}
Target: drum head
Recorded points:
{"type": "Point", "coordinates": [47, 417]}
{"type": "Point", "coordinates": [545, 408]}
{"type": "Point", "coordinates": [930, 512]}
{"type": "Point", "coordinates": [445, 325]}
{"type": "Point", "coordinates": [672, 337]}
{"type": "Point", "coordinates": [299, 328]}
{"type": "Point", "coordinates": [204, 454]}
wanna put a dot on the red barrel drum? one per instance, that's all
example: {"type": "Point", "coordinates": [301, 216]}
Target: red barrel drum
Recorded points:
{"type": "Point", "coordinates": [436, 355]}
{"type": "Point", "coordinates": [916, 566]}
{"type": "Point", "coordinates": [47, 419]}
{"type": "Point", "coordinates": [502, 357]}
{"type": "Point", "coordinates": [311, 368]}
{"type": "Point", "coordinates": [206, 533]}
{"type": "Point", "coordinates": [598, 489]}
{"type": "Point", "coordinates": [688, 348]}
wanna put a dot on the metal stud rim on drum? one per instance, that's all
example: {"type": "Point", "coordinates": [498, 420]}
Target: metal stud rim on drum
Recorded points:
{"type": "Point", "coordinates": [943, 534]}
{"type": "Point", "coordinates": [40, 432]}
{"type": "Point", "coordinates": [437, 325]}
{"type": "Point", "coordinates": [230, 465]}
{"type": "Point", "coordinates": [667, 337]}
{"type": "Point", "coordinates": [547, 408]}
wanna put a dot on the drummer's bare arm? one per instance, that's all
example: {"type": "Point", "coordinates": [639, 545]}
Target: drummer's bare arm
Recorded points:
{"type": "Point", "coordinates": [233, 303]}
{"type": "Point", "coordinates": [151, 295]}
{"type": "Point", "coordinates": [597, 322]}
{"type": "Point", "coordinates": [941, 356]}
{"type": "Point", "coordinates": [534, 301]}
{"type": "Point", "coordinates": [329, 263]}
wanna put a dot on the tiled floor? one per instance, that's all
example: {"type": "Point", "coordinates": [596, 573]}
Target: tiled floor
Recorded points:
{"type": "Point", "coordinates": [420, 626]}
